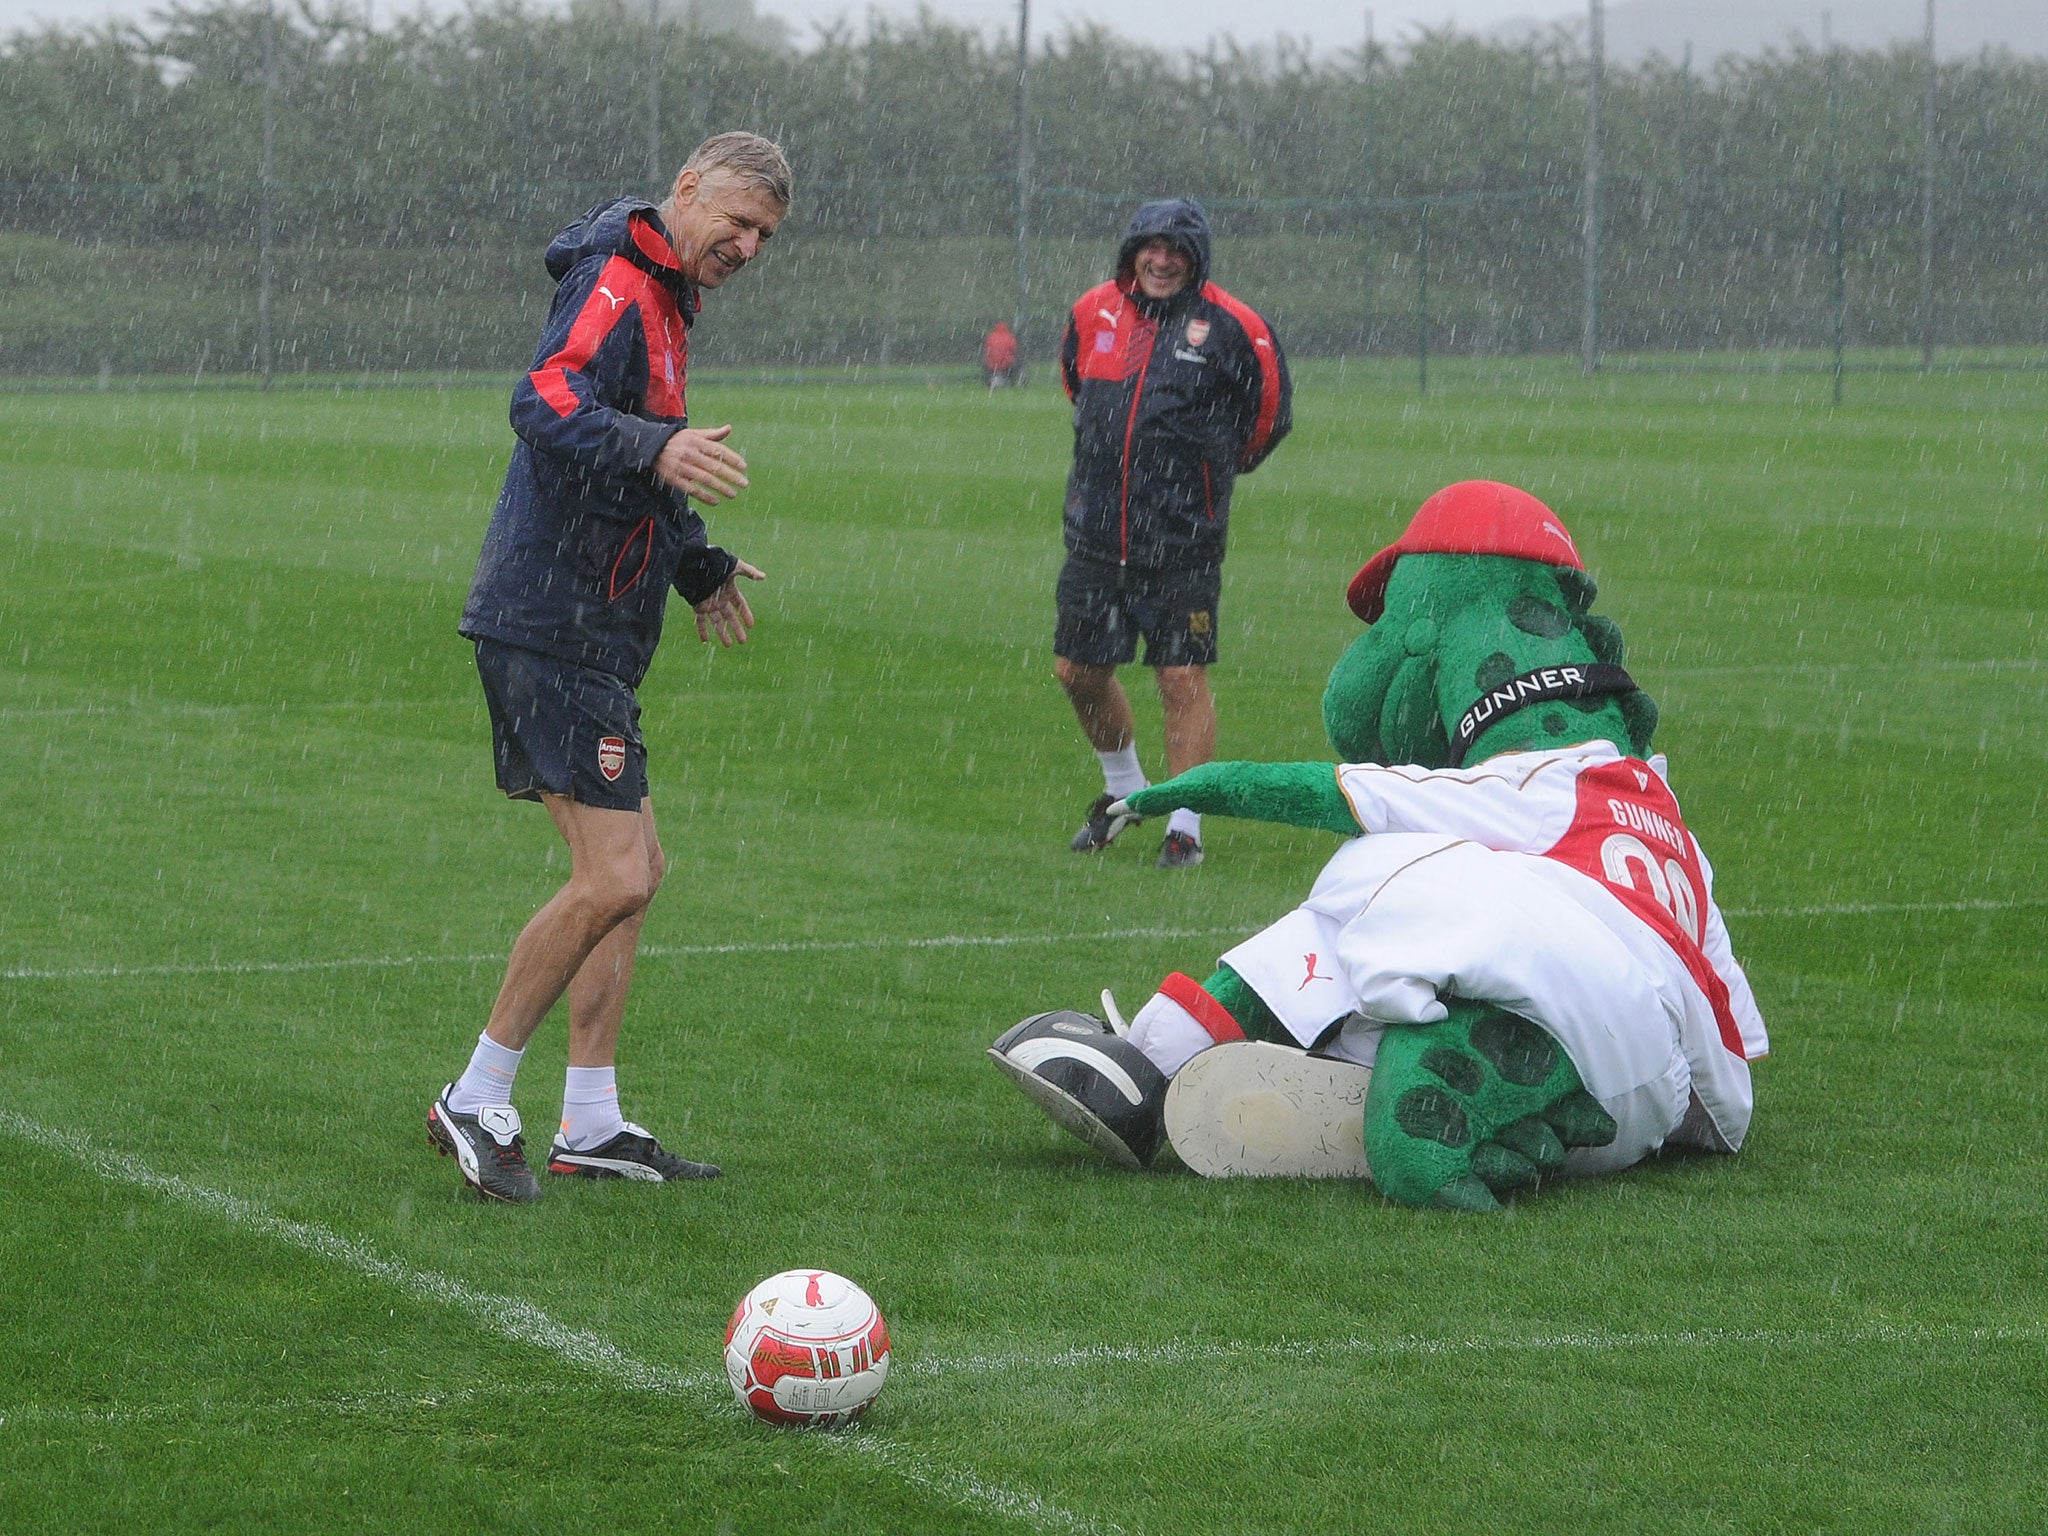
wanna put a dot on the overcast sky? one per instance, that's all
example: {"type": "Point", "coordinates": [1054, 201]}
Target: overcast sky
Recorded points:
{"type": "Point", "coordinates": [1634, 26]}
{"type": "Point", "coordinates": [1167, 23]}
{"type": "Point", "coordinates": [1190, 23]}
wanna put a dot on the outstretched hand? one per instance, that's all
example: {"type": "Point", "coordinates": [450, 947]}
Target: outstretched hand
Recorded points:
{"type": "Point", "coordinates": [1293, 794]}
{"type": "Point", "coordinates": [1182, 792]}
{"type": "Point", "coordinates": [725, 613]}
{"type": "Point", "coordinates": [698, 463]}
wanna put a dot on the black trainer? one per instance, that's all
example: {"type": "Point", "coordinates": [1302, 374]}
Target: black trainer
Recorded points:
{"type": "Point", "coordinates": [1179, 851]}
{"type": "Point", "coordinates": [632, 1154]}
{"type": "Point", "coordinates": [488, 1147]}
{"type": "Point", "coordinates": [1101, 828]}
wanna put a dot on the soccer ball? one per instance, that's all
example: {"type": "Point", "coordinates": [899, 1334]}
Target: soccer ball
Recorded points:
{"type": "Point", "coordinates": [807, 1347]}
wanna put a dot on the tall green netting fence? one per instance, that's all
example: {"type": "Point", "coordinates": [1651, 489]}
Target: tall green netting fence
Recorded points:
{"type": "Point", "coordinates": [1424, 207]}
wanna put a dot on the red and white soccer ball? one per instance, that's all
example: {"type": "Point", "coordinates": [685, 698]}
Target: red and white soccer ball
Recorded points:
{"type": "Point", "coordinates": [807, 1347]}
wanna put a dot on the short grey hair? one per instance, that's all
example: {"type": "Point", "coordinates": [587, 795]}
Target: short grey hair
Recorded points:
{"type": "Point", "coordinates": [749, 159]}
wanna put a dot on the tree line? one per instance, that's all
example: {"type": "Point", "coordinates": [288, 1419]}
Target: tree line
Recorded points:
{"type": "Point", "coordinates": [495, 124]}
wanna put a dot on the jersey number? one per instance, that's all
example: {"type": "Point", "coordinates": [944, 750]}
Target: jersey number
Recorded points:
{"type": "Point", "coordinates": [1623, 858]}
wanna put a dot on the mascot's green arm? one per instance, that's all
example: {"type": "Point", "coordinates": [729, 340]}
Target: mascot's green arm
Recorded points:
{"type": "Point", "coordinates": [1293, 794]}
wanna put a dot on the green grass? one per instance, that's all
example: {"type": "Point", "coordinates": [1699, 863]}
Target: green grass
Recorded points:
{"type": "Point", "coordinates": [257, 889]}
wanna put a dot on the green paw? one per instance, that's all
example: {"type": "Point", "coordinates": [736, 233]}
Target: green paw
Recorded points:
{"type": "Point", "coordinates": [1478, 1107]}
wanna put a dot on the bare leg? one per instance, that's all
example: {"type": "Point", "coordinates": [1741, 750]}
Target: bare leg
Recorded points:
{"type": "Point", "coordinates": [597, 996]}
{"type": "Point", "coordinates": [1099, 701]}
{"type": "Point", "coordinates": [611, 881]}
{"type": "Point", "coordinates": [597, 993]}
{"type": "Point", "coordinates": [1190, 717]}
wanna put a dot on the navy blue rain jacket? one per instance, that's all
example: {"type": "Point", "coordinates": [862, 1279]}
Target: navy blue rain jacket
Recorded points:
{"type": "Point", "coordinates": [1173, 400]}
{"type": "Point", "coordinates": [585, 541]}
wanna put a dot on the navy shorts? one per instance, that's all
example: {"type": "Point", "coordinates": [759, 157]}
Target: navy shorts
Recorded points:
{"type": "Point", "coordinates": [563, 729]}
{"type": "Point", "coordinates": [1104, 607]}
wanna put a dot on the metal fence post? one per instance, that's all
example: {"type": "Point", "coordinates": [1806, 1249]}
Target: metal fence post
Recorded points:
{"type": "Point", "coordinates": [266, 342]}
{"type": "Point", "coordinates": [656, 36]}
{"type": "Point", "coordinates": [1589, 335]}
{"type": "Point", "coordinates": [1366, 182]}
{"type": "Point", "coordinates": [1840, 298]}
{"type": "Point", "coordinates": [1023, 170]}
{"type": "Point", "coordinates": [1518, 328]}
{"type": "Point", "coordinates": [1422, 304]}
{"type": "Point", "coordinates": [1684, 166]}
{"type": "Point", "coordinates": [1927, 172]}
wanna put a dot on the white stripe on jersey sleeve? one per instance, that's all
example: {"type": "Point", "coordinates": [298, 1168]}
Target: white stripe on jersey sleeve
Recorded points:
{"type": "Point", "coordinates": [1518, 802]}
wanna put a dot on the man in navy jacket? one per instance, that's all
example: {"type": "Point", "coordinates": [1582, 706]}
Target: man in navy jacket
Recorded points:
{"type": "Point", "coordinates": [1178, 389]}
{"type": "Point", "coordinates": [592, 529]}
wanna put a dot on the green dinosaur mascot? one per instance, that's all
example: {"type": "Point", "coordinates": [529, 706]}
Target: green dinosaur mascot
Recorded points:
{"type": "Point", "coordinates": [1513, 967]}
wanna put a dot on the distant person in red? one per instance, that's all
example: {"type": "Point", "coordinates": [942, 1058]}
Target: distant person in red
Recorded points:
{"type": "Point", "coordinates": [999, 355]}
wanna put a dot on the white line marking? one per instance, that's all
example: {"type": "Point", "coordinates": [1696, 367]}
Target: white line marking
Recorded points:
{"type": "Point", "coordinates": [243, 967]}
{"type": "Point", "coordinates": [1832, 668]}
{"type": "Point", "coordinates": [1187, 1353]}
{"type": "Point", "coordinates": [1174, 1353]}
{"type": "Point", "coordinates": [841, 946]}
{"type": "Point", "coordinates": [353, 709]}
{"type": "Point", "coordinates": [526, 1324]}
{"type": "Point", "coordinates": [942, 941]}
{"type": "Point", "coordinates": [1873, 908]}
{"type": "Point", "coordinates": [168, 709]}
{"type": "Point", "coordinates": [356, 708]}
{"type": "Point", "coordinates": [365, 1405]}
{"type": "Point", "coordinates": [523, 1323]}
{"type": "Point", "coordinates": [647, 951]}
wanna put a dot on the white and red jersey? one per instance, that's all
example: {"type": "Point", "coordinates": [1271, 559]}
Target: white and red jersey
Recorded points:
{"type": "Point", "coordinates": [1562, 885]}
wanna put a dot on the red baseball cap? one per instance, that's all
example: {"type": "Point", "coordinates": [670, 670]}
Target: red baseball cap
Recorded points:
{"type": "Point", "coordinates": [1473, 517]}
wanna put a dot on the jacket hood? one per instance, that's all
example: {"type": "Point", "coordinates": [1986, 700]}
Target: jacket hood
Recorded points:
{"type": "Point", "coordinates": [629, 227]}
{"type": "Point", "coordinates": [1179, 220]}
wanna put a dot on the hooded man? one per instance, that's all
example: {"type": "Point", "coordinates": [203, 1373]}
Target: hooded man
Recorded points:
{"type": "Point", "coordinates": [593, 527]}
{"type": "Point", "coordinates": [1178, 389]}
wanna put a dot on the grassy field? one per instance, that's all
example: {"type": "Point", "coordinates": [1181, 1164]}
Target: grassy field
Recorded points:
{"type": "Point", "coordinates": [257, 888]}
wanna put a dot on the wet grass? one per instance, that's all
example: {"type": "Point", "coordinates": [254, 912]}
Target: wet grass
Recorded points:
{"type": "Point", "coordinates": [257, 887]}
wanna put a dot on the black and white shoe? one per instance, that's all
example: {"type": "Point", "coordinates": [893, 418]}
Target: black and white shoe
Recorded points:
{"type": "Point", "coordinates": [1179, 851]}
{"type": "Point", "coordinates": [632, 1154]}
{"type": "Point", "coordinates": [1101, 827]}
{"type": "Point", "coordinates": [1089, 1081]}
{"type": "Point", "coordinates": [488, 1146]}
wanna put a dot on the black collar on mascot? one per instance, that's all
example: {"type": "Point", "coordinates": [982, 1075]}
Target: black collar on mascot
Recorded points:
{"type": "Point", "coordinates": [1537, 687]}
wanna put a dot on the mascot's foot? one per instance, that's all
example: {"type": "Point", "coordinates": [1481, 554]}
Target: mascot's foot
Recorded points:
{"type": "Point", "coordinates": [1251, 1109]}
{"type": "Point", "coordinates": [1480, 1106]}
{"type": "Point", "coordinates": [1090, 1081]}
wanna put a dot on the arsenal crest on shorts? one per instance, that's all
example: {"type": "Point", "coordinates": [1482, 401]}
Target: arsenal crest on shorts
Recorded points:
{"type": "Point", "coordinates": [1198, 332]}
{"type": "Point", "coordinates": [611, 757]}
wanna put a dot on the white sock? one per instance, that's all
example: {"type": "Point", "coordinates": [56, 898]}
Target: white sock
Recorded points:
{"type": "Point", "coordinates": [1185, 820]}
{"type": "Point", "coordinates": [1168, 1034]}
{"type": "Point", "coordinates": [590, 1107]}
{"type": "Point", "coordinates": [487, 1079]}
{"type": "Point", "coordinates": [1121, 774]}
